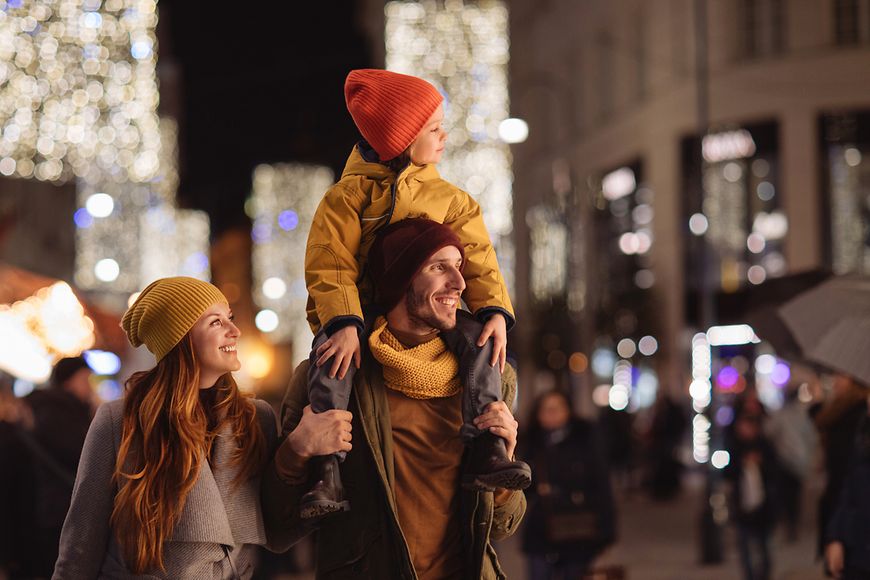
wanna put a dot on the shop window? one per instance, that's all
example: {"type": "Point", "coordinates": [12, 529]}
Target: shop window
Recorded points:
{"type": "Point", "coordinates": [846, 159]}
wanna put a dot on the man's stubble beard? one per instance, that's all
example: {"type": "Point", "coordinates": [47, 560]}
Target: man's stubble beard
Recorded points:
{"type": "Point", "coordinates": [420, 313]}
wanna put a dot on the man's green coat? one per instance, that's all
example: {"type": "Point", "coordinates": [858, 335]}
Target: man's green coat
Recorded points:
{"type": "Point", "coordinates": [367, 542]}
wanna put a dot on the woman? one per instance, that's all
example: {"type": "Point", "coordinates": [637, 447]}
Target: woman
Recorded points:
{"type": "Point", "coordinates": [570, 518]}
{"type": "Point", "coordinates": [168, 483]}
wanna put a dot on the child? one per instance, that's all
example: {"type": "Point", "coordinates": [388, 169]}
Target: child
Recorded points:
{"type": "Point", "coordinates": [391, 176]}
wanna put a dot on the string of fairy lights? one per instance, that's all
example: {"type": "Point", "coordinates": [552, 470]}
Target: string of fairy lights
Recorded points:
{"type": "Point", "coordinates": [78, 102]}
{"type": "Point", "coordinates": [282, 205]}
{"type": "Point", "coordinates": [129, 234]}
{"type": "Point", "coordinates": [77, 89]}
{"type": "Point", "coordinates": [463, 49]}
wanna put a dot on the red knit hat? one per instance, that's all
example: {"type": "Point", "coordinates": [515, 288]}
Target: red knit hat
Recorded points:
{"type": "Point", "coordinates": [398, 253]}
{"type": "Point", "coordinates": [389, 108]}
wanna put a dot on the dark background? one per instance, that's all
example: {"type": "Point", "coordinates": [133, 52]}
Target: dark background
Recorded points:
{"type": "Point", "coordinates": [255, 83]}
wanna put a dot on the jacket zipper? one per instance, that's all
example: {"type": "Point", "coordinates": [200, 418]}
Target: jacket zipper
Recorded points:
{"type": "Point", "coordinates": [393, 193]}
{"type": "Point", "coordinates": [388, 215]}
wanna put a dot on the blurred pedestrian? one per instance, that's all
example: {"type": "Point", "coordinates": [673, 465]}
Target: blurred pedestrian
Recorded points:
{"type": "Point", "coordinates": [619, 444]}
{"type": "Point", "coordinates": [793, 435]}
{"type": "Point", "coordinates": [752, 473]}
{"type": "Point", "coordinates": [571, 517]}
{"type": "Point", "coordinates": [62, 414]}
{"type": "Point", "coordinates": [837, 420]}
{"type": "Point", "coordinates": [666, 433]}
{"type": "Point", "coordinates": [17, 554]}
{"type": "Point", "coordinates": [847, 536]}
{"type": "Point", "coordinates": [168, 483]}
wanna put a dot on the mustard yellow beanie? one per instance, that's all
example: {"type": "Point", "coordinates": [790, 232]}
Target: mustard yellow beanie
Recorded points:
{"type": "Point", "coordinates": [166, 310]}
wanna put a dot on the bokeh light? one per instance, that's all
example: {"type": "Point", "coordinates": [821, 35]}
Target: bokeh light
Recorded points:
{"type": "Point", "coordinates": [278, 256]}
{"type": "Point", "coordinates": [720, 459]}
{"type": "Point", "coordinates": [267, 320]}
{"type": "Point", "coordinates": [648, 345]}
{"type": "Point", "coordinates": [463, 49]}
{"type": "Point", "coordinates": [78, 89]}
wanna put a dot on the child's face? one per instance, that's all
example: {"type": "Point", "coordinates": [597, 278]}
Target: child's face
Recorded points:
{"type": "Point", "coordinates": [429, 144]}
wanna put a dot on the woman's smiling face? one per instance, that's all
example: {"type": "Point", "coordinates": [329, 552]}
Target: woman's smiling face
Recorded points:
{"type": "Point", "coordinates": [214, 338]}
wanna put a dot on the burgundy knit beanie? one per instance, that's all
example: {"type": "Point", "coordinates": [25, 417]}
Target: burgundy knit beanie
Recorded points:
{"type": "Point", "coordinates": [398, 253]}
{"type": "Point", "coordinates": [389, 109]}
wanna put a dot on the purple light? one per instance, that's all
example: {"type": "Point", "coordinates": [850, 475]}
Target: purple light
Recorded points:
{"type": "Point", "coordinates": [724, 416]}
{"type": "Point", "coordinates": [781, 374]}
{"type": "Point", "coordinates": [261, 232]}
{"type": "Point", "coordinates": [83, 218]}
{"type": "Point", "coordinates": [110, 390]}
{"type": "Point", "coordinates": [288, 220]}
{"type": "Point", "coordinates": [196, 263]}
{"type": "Point", "coordinates": [727, 377]}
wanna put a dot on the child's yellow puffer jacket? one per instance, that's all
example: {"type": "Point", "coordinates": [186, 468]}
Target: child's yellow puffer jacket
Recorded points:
{"type": "Point", "coordinates": [362, 202]}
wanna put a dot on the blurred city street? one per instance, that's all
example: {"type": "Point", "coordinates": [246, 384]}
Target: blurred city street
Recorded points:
{"type": "Point", "coordinates": [659, 212]}
{"type": "Point", "coordinates": [659, 541]}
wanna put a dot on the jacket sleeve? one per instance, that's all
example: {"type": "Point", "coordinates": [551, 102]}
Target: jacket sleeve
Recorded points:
{"type": "Point", "coordinates": [485, 286]}
{"type": "Point", "coordinates": [508, 510]}
{"type": "Point", "coordinates": [284, 481]}
{"type": "Point", "coordinates": [86, 531]}
{"type": "Point", "coordinates": [331, 266]}
{"type": "Point", "coordinates": [506, 517]}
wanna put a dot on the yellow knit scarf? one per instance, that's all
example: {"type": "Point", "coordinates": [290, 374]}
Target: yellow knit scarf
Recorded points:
{"type": "Point", "coordinates": [427, 371]}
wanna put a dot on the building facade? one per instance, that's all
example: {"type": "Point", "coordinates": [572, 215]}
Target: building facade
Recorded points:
{"type": "Point", "coordinates": [657, 127]}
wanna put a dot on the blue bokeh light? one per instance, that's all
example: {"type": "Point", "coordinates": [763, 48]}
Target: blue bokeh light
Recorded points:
{"type": "Point", "coordinates": [724, 416]}
{"type": "Point", "coordinates": [93, 20]}
{"type": "Point", "coordinates": [288, 220]}
{"type": "Point", "coordinates": [109, 390]}
{"type": "Point", "coordinates": [196, 263]}
{"type": "Point", "coordinates": [103, 362]}
{"type": "Point", "coordinates": [141, 49]}
{"type": "Point", "coordinates": [83, 218]}
{"type": "Point", "coordinates": [261, 232]}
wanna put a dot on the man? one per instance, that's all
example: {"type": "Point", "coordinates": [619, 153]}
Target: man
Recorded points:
{"type": "Point", "coordinates": [411, 517]}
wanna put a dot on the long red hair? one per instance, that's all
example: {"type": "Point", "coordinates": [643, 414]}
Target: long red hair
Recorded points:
{"type": "Point", "coordinates": [165, 438]}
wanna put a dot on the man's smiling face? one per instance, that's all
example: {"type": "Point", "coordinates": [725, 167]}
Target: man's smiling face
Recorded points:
{"type": "Point", "coordinates": [433, 297]}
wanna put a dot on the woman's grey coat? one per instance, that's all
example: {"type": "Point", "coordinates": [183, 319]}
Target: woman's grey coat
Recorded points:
{"type": "Point", "coordinates": [218, 532]}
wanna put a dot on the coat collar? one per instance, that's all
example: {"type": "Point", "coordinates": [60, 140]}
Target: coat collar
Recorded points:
{"type": "Point", "coordinates": [218, 511]}
{"type": "Point", "coordinates": [362, 163]}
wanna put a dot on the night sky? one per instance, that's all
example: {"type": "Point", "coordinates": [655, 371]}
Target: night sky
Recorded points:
{"type": "Point", "coordinates": [256, 87]}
